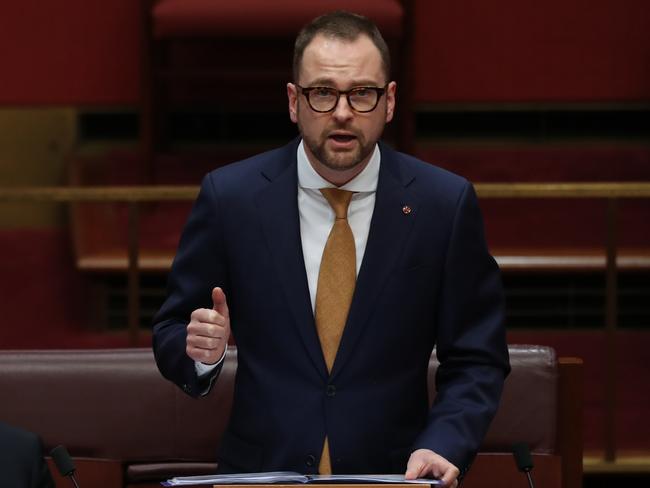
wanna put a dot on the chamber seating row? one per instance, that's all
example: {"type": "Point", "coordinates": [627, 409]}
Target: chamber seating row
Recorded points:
{"type": "Point", "coordinates": [126, 426]}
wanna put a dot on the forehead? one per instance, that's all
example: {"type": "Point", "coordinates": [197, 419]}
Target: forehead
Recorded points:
{"type": "Point", "coordinates": [341, 62]}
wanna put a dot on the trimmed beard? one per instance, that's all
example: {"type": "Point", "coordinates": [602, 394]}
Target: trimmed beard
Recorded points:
{"type": "Point", "coordinates": [337, 160]}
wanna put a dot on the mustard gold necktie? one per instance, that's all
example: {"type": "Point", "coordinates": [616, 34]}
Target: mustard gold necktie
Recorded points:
{"type": "Point", "coordinates": [336, 280]}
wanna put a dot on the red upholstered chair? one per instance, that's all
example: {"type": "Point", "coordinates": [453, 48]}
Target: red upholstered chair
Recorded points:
{"type": "Point", "coordinates": [236, 55]}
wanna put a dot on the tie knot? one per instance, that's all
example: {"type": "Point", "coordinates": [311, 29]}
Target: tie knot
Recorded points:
{"type": "Point", "coordinates": [339, 200]}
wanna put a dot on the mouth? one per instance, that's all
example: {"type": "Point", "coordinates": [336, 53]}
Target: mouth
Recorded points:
{"type": "Point", "coordinates": [342, 139]}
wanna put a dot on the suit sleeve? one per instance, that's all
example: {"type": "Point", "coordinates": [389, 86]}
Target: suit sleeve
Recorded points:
{"type": "Point", "coordinates": [471, 343]}
{"type": "Point", "coordinates": [198, 267]}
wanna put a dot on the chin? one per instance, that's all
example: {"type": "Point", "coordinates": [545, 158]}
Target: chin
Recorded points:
{"type": "Point", "coordinates": [342, 163]}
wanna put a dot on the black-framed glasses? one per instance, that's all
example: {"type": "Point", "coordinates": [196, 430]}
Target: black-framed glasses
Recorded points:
{"type": "Point", "coordinates": [360, 98]}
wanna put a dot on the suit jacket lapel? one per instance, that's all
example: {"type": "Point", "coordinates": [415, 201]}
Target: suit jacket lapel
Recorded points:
{"type": "Point", "coordinates": [389, 229]}
{"type": "Point", "coordinates": [278, 209]}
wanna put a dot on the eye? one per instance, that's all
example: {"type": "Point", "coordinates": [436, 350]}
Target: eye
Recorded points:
{"type": "Point", "coordinates": [362, 92]}
{"type": "Point", "coordinates": [322, 92]}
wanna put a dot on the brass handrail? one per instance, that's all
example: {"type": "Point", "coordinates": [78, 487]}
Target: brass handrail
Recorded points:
{"type": "Point", "coordinates": [563, 190]}
{"type": "Point", "coordinates": [98, 193]}
{"type": "Point", "coordinates": [189, 192]}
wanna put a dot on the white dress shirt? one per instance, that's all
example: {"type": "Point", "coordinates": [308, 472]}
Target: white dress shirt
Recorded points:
{"type": "Point", "coordinates": [317, 218]}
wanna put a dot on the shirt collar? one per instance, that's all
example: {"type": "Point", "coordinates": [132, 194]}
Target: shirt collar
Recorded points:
{"type": "Point", "coordinates": [366, 181]}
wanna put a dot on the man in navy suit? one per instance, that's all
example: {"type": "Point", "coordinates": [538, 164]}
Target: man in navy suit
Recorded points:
{"type": "Point", "coordinates": [424, 277]}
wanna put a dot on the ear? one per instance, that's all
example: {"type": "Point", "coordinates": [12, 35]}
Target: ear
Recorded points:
{"type": "Point", "coordinates": [391, 90]}
{"type": "Point", "coordinates": [292, 95]}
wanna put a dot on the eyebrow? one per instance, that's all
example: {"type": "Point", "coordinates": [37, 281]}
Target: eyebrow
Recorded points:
{"type": "Point", "coordinates": [330, 82]}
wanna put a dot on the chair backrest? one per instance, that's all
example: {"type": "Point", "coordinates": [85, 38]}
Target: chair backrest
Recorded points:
{"type": "Point", "coordinates": [194, 51]}
{"type": "Point", "coordinates": [541, 406]}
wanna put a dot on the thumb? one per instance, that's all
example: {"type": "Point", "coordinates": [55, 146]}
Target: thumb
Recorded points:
{"type": "Point", "coordinates": [219, 303]}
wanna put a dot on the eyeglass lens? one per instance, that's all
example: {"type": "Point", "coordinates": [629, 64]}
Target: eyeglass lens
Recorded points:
{"type": "Point", "coordinates": [360, 99]}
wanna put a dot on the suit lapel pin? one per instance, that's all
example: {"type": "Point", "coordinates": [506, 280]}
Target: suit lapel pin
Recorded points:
{"type": "Point", "coordinates": [406, 210]}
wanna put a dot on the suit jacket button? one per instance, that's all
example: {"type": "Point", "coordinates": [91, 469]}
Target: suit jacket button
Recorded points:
{"type": "Point", "coordinates": [310, 460]}
{"type": "Point", "coordinates": [331, 391]}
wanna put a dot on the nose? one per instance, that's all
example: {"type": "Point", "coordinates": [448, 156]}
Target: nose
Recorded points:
{"type": "Point", "coordinates": [343, 111]}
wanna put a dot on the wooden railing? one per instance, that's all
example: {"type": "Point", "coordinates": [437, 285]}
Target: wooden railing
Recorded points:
{"type": "Point", "coordinates": [134, 196]}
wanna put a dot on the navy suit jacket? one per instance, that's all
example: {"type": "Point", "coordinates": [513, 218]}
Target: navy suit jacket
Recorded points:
{"type": "Point", "coordinates": [426, 279]}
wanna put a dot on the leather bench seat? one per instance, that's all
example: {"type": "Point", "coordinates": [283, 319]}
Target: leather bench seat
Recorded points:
{"type": "Point", "coordinates": [127, 426]}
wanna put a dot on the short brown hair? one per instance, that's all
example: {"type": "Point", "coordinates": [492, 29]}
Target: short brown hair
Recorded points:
{"type": "Point", "coordinates": [340, 25]}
